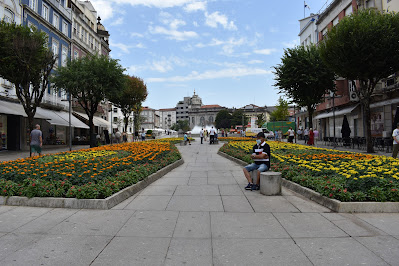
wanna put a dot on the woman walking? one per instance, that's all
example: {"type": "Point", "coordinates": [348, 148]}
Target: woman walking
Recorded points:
{"type": "Point", "coordinates": [311, 137]}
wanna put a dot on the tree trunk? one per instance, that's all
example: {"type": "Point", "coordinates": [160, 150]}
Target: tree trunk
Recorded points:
{"type": "Point", "coordinates": [91, 132]}
{"type": "Point", "coordinates": [126, 121]}
{"type": "Point", "coordinates": [310, 113]}
{"type": "Point", "coordinates": [367, 118]}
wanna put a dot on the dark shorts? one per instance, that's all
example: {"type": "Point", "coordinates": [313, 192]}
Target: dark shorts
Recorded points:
{"type": "Point", "coordinates": [36, 149]}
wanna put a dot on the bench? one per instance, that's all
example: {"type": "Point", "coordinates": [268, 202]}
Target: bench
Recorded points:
{"type": "Point", "coordinates": [270, 182]}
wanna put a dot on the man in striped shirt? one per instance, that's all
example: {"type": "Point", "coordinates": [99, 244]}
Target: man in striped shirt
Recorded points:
{"type": "Point", "coordinates": [261, 157]}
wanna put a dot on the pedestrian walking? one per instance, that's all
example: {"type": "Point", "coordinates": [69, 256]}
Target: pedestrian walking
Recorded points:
{"type": "Point", "coordinates": [316, 136]}
{"type": "Point", "coordinates": [299, 133]}
{"type": "Point", "coordinates": [260, 155]}
{"type": "Point", "coordinates": [202, 135]}
{"type": "Point", "coordinates": [395, 136]}
{"type": "Point", "coordinates": [212, 133]}
{"type": "Point", "coordinates": [311, 137]}
{"type": "Point", "coordinates": [306, 135]}
{"type": "Point", "coordinates": [186, 139]}
{"type": "Point", "coordinates": [124, 136]}
{"type": "Point", "coordinates": [36, 141]}
{"type": "Point", "coordinates": [291, 135]}
{"type": "Point", "coordinates": [136, 135]}
{"type": "Point", "coordinates": [118, 136]}
{"type": "Point", "coordinates": [206, 135]}
{"type": "Point", "coordinates": [142, 135]}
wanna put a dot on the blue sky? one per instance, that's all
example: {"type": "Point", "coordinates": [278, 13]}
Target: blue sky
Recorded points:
{"type": "Point", "coordinates": [224, 49]}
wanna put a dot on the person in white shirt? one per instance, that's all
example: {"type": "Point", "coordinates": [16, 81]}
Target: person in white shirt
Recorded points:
{"type": "Point", "coordinates": [212, 133]}
{"type": "Point", "coordinates": [291, 135]}
{"type": "Point", "coordinates": [202, 135]}
{"type": "Point", "coordinates": [395, 136]}
{"type": "Point", "coordinates": [306, 135]}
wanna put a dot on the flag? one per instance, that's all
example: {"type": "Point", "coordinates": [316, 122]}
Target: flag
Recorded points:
{"type": "Point", "coordinates": [306, 5]}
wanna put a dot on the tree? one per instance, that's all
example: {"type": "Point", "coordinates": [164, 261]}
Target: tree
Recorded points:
{"type": "Point", "coordinates": [181, 125]}
{"type": "Point", "coordinates": [134, 92]}
{"type": "Point", "coordinates": [25, 61]}
{"type": "Point", "coordinates": [223, 119]}
{"type": "Point", "coordinates": [364, 47]}
{"type": "Point", "coordinates": [304, 77]}
{"type": "Point", "coordinates": [260, 120]}
{"type": "Point", "coordinates": [90, 80]}
{"type": "Point", "coordinates": [281, 112]}
{"type": "Point", "coordinates": [238, 117]}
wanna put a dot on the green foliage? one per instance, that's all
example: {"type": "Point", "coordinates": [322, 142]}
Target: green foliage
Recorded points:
{"type": "Point", "coordinates": [25, 61]}
{"type": "Point", "coordinates": [261, 120]}
{"type": "Point", "coordinates": [181, 125]}
{"type": "Point", "coordinates": [133, 93]}
{"type": "Point", "coordinates": [281, 112]}
{"type": "Point", "coordinates": [223, 119]}
{"type": "Point", "coordinates": [90, 80]}
{"type": "Point", "coordinates": [304, 77]}
{"type": "Point", "coordinates": [364, 47]}
{"type": "Point", "coordinates": [237, 118]}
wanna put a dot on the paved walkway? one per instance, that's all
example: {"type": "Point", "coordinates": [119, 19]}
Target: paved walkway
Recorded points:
{"type": "Point", "coordinates": [199, 214]}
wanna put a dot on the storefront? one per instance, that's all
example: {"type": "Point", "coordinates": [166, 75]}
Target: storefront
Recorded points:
{"type": "Point", "coordinates": [3, 132]}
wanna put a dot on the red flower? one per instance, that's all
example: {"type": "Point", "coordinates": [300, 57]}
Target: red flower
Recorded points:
{"type": "Point", "coordinates": [331, 195]}
{"type": "Point", "coordinates": [33, 184]}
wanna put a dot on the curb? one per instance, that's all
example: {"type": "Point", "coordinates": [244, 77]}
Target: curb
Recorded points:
{"type": "Point", "coordinates": [332, 204]}
{"type": "Point", "coordinates": [103, 204]}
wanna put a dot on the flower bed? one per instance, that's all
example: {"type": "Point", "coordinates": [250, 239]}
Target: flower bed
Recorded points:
{"type": "Point", "coordinates": [94, 173]}
{"type": "Point", "coordinates": [345, 176]}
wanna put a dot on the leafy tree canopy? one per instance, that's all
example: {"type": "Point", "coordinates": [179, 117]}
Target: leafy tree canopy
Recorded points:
{"type": "Point", "coordinates": [223, 119]}
{"type": "Point", "coordinates": [281, 112]}
{"type": "Point", "coordinates": [237, 118]}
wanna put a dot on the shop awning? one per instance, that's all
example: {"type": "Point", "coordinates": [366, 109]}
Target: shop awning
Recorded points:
{"type": "Point", "coordinates": [344, 111]}
{"type": "Point", "coordinates": [97, 121]}
{"type": "Point", "coordinates": [10, 108]}
{"type": "Point", "coordinates": [60, 118]}
{"type": "Point", "coordinates": [74, 121]}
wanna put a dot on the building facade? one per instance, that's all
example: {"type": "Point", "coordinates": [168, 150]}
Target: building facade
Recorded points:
{"type": "Point", "coordinates": [167, 118]}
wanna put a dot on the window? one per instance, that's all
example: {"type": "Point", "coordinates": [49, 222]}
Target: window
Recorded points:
{"type": "Point", "coordinates": [324, 32]}
{"type": "Point", "coordinates": [348, 10]}
{"type": "Point", "coordinates": [74, 27]}
{"type": "Point", "coordinates": [8, 15]}
{"type": "Point", "coordinates": [115, 110]}
{"type": "Point", "coordinates": [45, 12]}
{"type": "Point", "coordinates": [55, 49]}
{"type": "Point", "coordinates": [56, 21]}
{"type": "Point", "coordinates": [115, 120]}
{"type": "Point", "coordinates": [33, 4]}
{"type": "Point", "coordinates": [335, 21]}
{"type": "Point", "coordinates": [85, 37]}
{"type": "Point", "coordinates": [64, 55]}
{"type": "Point", "coordinates": [81, 32]}
{"type": "Point", "coordinates": [65, 28]}
{"type": "Point", "coordinates": [75, 55]}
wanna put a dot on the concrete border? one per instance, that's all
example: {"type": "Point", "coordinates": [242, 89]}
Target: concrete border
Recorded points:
{"type": "Point", "coordinates": [104, 204]}
{"type": "Point", "coordinates": [332, 204]}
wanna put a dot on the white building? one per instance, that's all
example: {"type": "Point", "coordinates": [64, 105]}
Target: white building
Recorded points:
{"type": "Point", "coordinates": [167, 118]}
{"type": "Point", "coordinates": [151, 118]}
{"type": "Point", "coordinates": [308, 30]}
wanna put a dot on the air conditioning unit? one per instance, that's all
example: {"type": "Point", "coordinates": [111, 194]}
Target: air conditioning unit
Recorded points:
{"type": "Point", "coordinates": [352, 91]}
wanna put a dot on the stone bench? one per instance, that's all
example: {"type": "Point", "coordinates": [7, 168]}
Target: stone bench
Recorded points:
{"type": "Point", "coordinates": [270, 182]}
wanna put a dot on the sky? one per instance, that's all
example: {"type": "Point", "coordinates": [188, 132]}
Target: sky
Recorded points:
{"type": "Point", "coordinates": [225, 50]}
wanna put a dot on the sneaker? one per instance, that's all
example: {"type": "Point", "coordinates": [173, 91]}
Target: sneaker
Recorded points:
{"type": "Point", "coordinates": [249, 186]}
{"type": "Point", "coordinates": [255, 187]}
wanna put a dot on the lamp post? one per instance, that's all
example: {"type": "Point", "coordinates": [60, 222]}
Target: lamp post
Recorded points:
{"type": "Point", "coordinates": [294, 124]}
{"type": "Point", "coordinates": [111, 132]}
{"type": "Point", "coordinates": [332, 94]}
{"type": "Point", "coordinates": [70, 120]}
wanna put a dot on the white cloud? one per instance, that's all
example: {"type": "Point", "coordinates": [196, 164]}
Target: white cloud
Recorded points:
{"type": "Point", "coordinates": [215, 18]}
{"type": "Point", "coordinates": [104, 8]}
{"type": "Point", "coordinates": [265, 51]}
{"type": "Point", "coordinates": [195, 6]}
{"type": "Point", "coordinates": [228, 46]}
{"type": "Point", "coordinates": [173, 33]}
{"type": "Point", "coordinates": [155, 3]}
{"type": "Point", "coordinates": [136, 34]}
{"type": "Point", "coordinates": [125, 48]}
{"type": "Point", "coordinates": [118, 21]}
{"type": "Point", "coordinates": [163, 65]}
{"type": "Point", "coordinates": [252, 62]}
{"type": "Point", "coordinates": [273, 29]}
{"type": "Point", "coordinates": [291, 44]}
{"type": "Point", "coordinates": [214, 74]}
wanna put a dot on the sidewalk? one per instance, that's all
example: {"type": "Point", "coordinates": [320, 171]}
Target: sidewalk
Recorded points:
{"type": "Point", "coordinates": [13, 155]}
{"type": "Point", "coordinates": [199, 214]}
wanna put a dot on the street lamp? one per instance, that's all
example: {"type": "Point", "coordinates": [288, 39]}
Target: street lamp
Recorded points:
{"type": "Point", "coordinates": [294, 123]}
{"type": "Point", "coordinates": [332, 94]}
{"type": "Point", "coordinates": [111, 132]}
{"type": "Point", "coordinates": [70, 119]}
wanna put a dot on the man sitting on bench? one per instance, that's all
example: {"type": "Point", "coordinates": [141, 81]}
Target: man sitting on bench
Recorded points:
{"type": "Point", "coordinates": [260, 155]}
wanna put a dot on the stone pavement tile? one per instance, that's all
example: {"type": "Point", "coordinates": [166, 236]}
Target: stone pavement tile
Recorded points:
{"type": "Point", "coordinates": [193, 225]}
{"type": "Point", "coordinates": [171, 181]}
{"type": "Point", "coordinates": [236, 204]}
{"type": "Point", "coordinates": [352, 225]}
{"type": "Point", "coordinates": [198, 168]}
{"type": "Point", "coordinates": [59, 250]}
{"type": "Point", "coordinates": [204, 190]}
{"type": "Point", "coordinates": [219, 174]}
{"type": "Point", "coordinates": [44, 223]}
{"type": "Point", "coordinates": [257, 252]}
{"type": "Point", "coordinates": [17, 217]}
{"type": "Point", "coordinates": [189, 252]}
{"type": "Point", "coordinates": [92, 222]}
{"type": "Point", "coordinates": [154, 190]}
{"type": "Point", "coordinates": [150, 224]}
{"type": "Point", "coordinates": [246, 225]}
{"type": "Point", "coordinates": [149, 203]}
{"type": "Point", "coordinates": [242, 180]}
{"type": "Point", "coordinates": [195, 203]}
{"type": "Point", "coordinates": [124, 203]}
{"type": "Point", "coordinates": [6, 208]}
{"type": "Point", "coordinates": [308, 225]}
{"type": "Point", "coordinates": [195, 181]}
{"type": "Point", "coordinates": [12, 242]}
{"type": "Point", "coordinates": [134, 251]}
{"type": "Point", "coordinates": [386, 247]}
{"type": "Point", "coordinates": [203, 174]}
{"type": "Point", "coordinates": [387, 222]}
{"type": "Point", "coordinates": [230, 190]}
{"type": "Point", "coordinates": [287, 192]}
{"type": "Point", "coordinates": [177, 174]}
{"type": "Point", "coordinates": [262, 203]}
{"type": "Point", "coordinates": [337, 251]}
{"type": "Point", "coordinates": [221, 181]}
{"type": "Point", "coordinates": [305, 205]}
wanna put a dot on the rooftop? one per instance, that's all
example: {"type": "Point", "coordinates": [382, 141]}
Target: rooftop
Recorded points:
{"type": "Point", "coordinates": [212, 106]}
